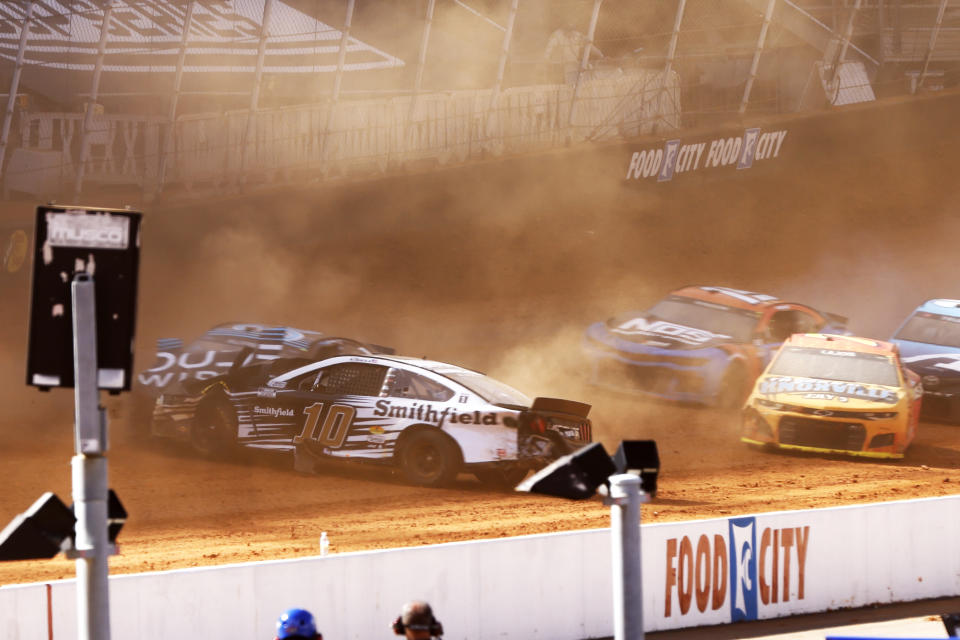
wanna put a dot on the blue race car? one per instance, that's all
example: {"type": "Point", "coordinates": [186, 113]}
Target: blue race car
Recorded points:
{"type": "Point", "coordinates": [701, 345]}
{"type": "Point", "coordinates": [929, 341]}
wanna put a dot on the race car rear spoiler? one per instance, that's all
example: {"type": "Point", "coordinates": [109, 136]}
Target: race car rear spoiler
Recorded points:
{"type": "Point", "coordinates": [557, 405]}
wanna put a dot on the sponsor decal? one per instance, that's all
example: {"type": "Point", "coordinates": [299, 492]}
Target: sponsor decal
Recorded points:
{"type": "Point", "coordinates": [430, 414]}
{"type": "Point", "coordinates": [786, 384]}
{"type": "Point", "coordinates": [88, 231]}
{"type": "Point", "coordinates": [198, 365]}
{"type": "Point", "coordinates": [948, 361]}
{"type": "Point", "coordinates": [675, 157]}
{"type": "Point", "coordinates": [662, 328]}
{"type": "Point", "coordinates": [274, 412]}
{"type": "Point", "coordinates": [738, 570]}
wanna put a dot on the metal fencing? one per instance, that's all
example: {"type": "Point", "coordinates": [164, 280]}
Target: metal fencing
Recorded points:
{"type": "Point", "coordinates": [195, 94]}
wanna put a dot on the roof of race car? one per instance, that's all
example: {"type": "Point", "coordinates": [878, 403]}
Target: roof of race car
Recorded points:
{"type": "Point", "coordinates": [730, 297]}
{"type": "Point", "coordinates": [841, 343]}
{"type": "Point", "coordinates": [941, 306]}
{"type": "Point", "coordinates": [263, 333]}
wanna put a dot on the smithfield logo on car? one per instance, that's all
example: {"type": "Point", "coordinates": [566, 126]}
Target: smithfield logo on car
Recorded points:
{"type": "Point", "coordinates": [425, 412]}
{"type": "Point", "coordinates": [733, 570]}
{"type": "Point", "coordinates": [274, 412]}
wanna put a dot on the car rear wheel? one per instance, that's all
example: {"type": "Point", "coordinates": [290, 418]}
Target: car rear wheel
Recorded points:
{"type": "Point", "coordinates": [501, 478]}
{"type": "Point", "coordinates": [214, 430]}
{"type": "Point", "coordinates": [429, 459]}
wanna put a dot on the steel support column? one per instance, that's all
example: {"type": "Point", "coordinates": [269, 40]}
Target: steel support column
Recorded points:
{"type": "Point", "coordinates": [755, 64]}
{"type": "Point", "coordinates": [833, 85]}
{"type": "Point", "coordinates": [584, 60]}
{"type": "Point", "coordinates": [672, 47]}
{"type": "Point", "coordinates": [933, 42]}
{"type": "Point", "coordinates": [421, 59]}
{"type": "Point", "coordinates": [502, 65]}
{"type": "Point", "coordinates": [91, 103]}
{"type": "Point", "coordinates": [15, 84]}
{"type": "Point", "coordinates": [338, 78]}
{"type": "Point", "coordinates": [175, 98]}
{"type": "Point", "coordinates": [255, 92]}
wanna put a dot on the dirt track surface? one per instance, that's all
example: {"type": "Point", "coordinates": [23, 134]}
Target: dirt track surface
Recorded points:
{"type": "Point", "coordinates": [499, 271]}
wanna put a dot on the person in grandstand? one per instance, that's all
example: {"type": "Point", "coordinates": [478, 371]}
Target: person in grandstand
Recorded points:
{"type": "Point", "coordinates": [297, 624]}
{"type": "Point", "coordinates": [416, 622]}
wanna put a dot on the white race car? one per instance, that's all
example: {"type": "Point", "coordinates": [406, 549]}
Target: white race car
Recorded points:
{"type": "Point", "coordinates": [429, 419]}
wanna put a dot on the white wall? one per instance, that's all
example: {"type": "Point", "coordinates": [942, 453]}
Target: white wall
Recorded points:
{"type": "Point", "coordinates": [554, 586]}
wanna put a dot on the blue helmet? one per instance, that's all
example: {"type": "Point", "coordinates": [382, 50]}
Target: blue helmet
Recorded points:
{"type": "Point", "coordinates": [296, 623]}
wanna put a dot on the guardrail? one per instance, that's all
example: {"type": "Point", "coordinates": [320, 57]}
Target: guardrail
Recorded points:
{"type": "Point", "coordinates": [555, 586]}
{"type": "Point", "coordinates": [314, 142]}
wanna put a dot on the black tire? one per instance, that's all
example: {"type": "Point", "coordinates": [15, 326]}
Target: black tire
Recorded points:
{"type": "Point", "coordinates": [429, 459]}
{"type": "Point", "coordinates": [214, 430]}
{"type": "Point", "coordinates": [733, 388]}
{"type": "Point", "coordinates": [501, 478]}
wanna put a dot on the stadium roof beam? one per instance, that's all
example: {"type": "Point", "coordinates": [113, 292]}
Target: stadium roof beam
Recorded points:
{"type": "Point", "coordinates": [808, 28]}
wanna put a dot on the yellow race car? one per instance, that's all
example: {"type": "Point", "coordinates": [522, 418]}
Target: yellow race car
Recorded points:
{"type": "Point", "coordinates": [835, 394]}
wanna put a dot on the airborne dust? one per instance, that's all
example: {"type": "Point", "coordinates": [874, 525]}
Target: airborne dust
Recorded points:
{"type": "Point", "coordinates": [500, 267]}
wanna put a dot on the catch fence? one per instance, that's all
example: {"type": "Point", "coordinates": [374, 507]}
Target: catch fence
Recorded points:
{"type": "Point", "coordinates": [218, 94]}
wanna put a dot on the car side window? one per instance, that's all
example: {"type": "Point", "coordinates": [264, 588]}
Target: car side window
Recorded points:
{"type": "Point", "coordinates": [406, 384]}
{"type": "Point", "coordinates": [351, 378]}
{"type": "Point", "coordinates": [806, 323]}
{"type": "Point", "coordinates": [785, 323]}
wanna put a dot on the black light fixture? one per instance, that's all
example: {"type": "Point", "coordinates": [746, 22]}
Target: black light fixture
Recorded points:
{"type": "Point", "coordinates": [39, 532]}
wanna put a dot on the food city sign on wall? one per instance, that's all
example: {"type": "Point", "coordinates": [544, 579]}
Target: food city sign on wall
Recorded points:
{"type": "Point", "coordinates": [676, 157]}
{"type": "Point", "coordinates": [734, 570]}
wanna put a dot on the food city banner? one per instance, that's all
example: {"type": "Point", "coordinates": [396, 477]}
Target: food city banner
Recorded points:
{"type": "Point", "coordinates": [555, 586]}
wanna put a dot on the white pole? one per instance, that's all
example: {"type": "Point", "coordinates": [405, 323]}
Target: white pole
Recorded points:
{"type": "Point", "coordinates": [624, 503]}
{"type": "Point", "coordinates": [15, 83]}
{"type": "Point", "coordinates": [89, 471]}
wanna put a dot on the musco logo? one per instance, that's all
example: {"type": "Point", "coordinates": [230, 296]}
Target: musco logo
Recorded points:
{"type": "Point", "coordinates": [737, 570]}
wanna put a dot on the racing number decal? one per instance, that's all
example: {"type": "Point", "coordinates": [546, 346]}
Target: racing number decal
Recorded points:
{"type": "Point", "coordinates": [336, 424]}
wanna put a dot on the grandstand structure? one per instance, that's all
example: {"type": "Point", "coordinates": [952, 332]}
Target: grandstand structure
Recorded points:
{"type": "Point", "coordinates": [201, 96]}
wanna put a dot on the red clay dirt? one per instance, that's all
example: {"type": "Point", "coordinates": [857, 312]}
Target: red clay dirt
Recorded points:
{"type": "Point", "coordinates": [499, 272]}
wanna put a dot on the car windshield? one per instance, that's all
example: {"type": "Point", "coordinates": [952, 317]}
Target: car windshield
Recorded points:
{"type": "Point", "coordinates": [828, 364]}
{"type": "Point", "coordinates": [716, 318]}
{"type": "Point", "coordinates": [931, 328]}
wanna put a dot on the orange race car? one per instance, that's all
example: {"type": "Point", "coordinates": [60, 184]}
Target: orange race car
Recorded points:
{"type": "Point", "coordinates": [835, 394]}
